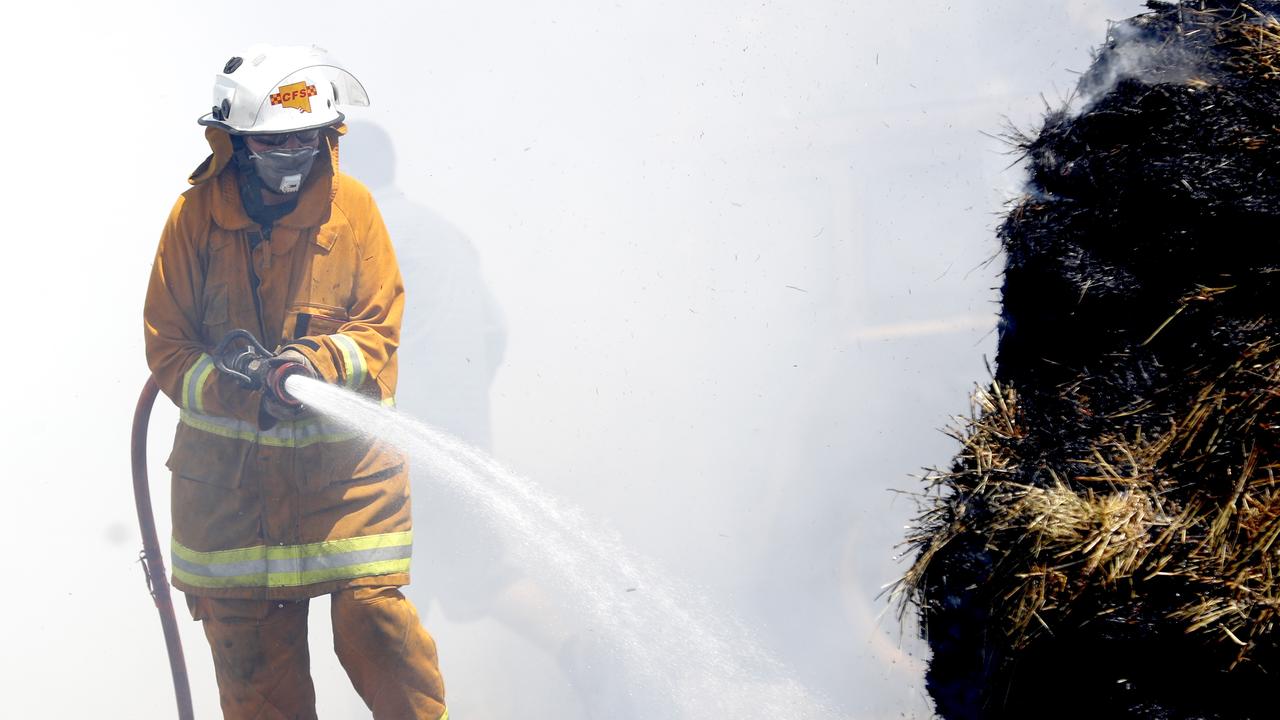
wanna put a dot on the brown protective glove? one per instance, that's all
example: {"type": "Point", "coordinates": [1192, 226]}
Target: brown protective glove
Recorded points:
{"type": "Point", "coordinates": [275, 401]}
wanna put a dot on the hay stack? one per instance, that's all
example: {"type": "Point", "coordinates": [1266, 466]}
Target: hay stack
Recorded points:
{"type": "Point", "coordinates": [1106, 543]}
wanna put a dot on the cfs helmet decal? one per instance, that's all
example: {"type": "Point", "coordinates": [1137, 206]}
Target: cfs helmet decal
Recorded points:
{"type": "Point", "coordinates": [295, 95]}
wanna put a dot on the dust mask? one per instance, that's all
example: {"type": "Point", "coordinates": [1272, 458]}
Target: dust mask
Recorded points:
{"type": "Point", "coordinates": [282, 170]}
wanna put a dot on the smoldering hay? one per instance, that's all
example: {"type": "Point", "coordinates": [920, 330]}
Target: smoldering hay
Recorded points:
{"type": "Point", "coordinates": [1106, 544]}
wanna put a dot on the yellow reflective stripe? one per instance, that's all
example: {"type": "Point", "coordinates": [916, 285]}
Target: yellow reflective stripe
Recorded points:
{"type": "Point", "coordinates": [281, 552]}
{"type": "Point", "coordinates": [355, 370]}
{"type": "Point", "coordinates": [293, 565]}
{"type": "Point", "coordinates": [194, 380]}
{"type": "Point", "coordinates": [384, 567]}
{"type": "Point", "coordinates": [207, 424]}
{"type": "Point", "coordinates": [296, 434]}
{"type": "Point", "coordinates": [445, 716]}
{"type": "Point", "coordinates": [205, 374]}
{"type": "Point", "coordinates": [186, 382]}
{"type": "Point", "coordinates": [290, 579]}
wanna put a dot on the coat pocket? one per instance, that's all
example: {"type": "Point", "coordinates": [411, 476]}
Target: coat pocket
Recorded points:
{"type": "Point", "coordinates": [217, 316]}
{"type": "Point", "coordinates": [359, 458]}
{"type": "Point", "coordinates": [314, 319]}
{"type": "Point", "coordinates": [208, 458]}
{"type": "Point", "coordinates": [215, 304]}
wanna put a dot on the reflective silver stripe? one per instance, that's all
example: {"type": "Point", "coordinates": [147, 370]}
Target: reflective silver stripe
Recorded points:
{"type": "Point", "coordinates": [269, 566]}
{"type": "Point", "coordinates": [294, 579]}
{"type": "Point", "coordinates": [293, 565]}
{"type": "Point", "coordinates": [193, 383]}
{"type": "Point", "coordinates": [355, 369]}
{"type": "Point", "coordinates": [299, 433]}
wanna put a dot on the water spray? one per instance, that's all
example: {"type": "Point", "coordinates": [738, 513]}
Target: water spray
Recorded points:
{"type": "Point", "coordinates": [675, 653]}
{"type": "Point", "coordinates": [669, 651]}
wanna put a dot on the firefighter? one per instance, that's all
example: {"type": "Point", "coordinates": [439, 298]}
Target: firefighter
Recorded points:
{"type": "Point", "coordinates": [272, 505]}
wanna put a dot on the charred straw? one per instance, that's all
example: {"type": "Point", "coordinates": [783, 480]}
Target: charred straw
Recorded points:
{"type": "Point", "coordinates": [1108, 537]}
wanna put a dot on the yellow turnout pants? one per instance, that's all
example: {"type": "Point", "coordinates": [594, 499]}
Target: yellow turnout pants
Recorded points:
{"type": "Point", "coordinates": [264, 668]}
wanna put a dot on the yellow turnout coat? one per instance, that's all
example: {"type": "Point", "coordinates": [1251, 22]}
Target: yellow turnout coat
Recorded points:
{"type": "Point", "coordinates": [265, 509]}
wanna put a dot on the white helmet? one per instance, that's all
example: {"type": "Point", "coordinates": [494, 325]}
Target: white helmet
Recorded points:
{"type": "Point", "coordinates": [273, 89]}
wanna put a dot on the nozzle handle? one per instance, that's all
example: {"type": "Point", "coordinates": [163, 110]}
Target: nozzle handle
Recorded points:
{"type": "Point", "coordinates": [234, 364]}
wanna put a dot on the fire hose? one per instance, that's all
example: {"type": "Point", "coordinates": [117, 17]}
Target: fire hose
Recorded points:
{"type": "Point", "coordinates": [254, 368]}
{"type": "Point", "coordinates": [151, 559]}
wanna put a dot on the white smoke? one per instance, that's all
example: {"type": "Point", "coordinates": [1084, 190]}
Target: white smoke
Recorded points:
{"type": "Point", "coordinates": [1132, 51]}
{"type": "Point", "coordinates": [667, 647]}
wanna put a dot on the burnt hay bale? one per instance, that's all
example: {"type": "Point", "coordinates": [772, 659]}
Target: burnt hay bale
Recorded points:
{"type": "Point", "coordinates": [1107, 542]}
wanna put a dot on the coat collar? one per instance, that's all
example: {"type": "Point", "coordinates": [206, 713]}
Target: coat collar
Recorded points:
{"type": "Point", "coordinates": [314, 204]}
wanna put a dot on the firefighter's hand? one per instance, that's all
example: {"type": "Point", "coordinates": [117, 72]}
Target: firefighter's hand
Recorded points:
{"type": "Point", "coordinates": [276, 400]}
{"type": "Point", "coordinates": [292, 355]}
{"type": "Point", "coordinates": [280, 410]}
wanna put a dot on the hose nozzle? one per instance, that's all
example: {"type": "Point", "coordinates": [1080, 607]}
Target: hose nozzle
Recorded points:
{"type": "Point", "coordinates": [256, 368]}
{"type": "Point", "coordinates": [278, 371]}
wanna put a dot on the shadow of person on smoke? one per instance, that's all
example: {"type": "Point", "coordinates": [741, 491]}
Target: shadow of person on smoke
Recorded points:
{"type": "Point", "coordinates": [451, 345]}
{"type": "Point", "coordinates": [453, 334]}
